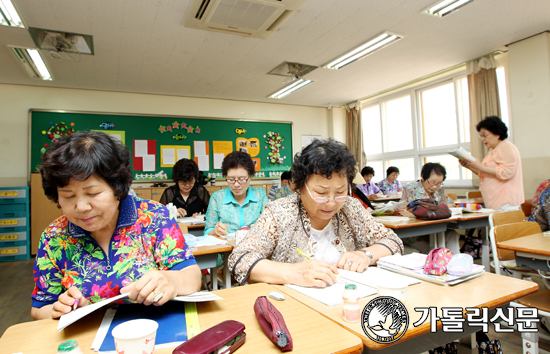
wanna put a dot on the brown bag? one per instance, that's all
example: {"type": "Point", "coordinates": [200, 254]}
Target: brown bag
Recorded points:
{"type": "Point", "coordinates": [429, 209]}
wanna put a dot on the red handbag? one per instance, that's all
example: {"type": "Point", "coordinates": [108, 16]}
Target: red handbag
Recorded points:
{"type": "Point", "coordinates": [272, 323]}
{"type": "Point", "coordinates": [429, 209]}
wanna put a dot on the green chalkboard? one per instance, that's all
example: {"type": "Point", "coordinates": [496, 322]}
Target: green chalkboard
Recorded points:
{"type": "Point", "coordinates": [269, 143]}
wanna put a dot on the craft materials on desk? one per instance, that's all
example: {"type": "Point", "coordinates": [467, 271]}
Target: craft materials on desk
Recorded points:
{"type": "Point", "coordinates": [366, 283]}
{"type": "Point", "coordinates": [174, 320]}
{"type": "Point", "coordinates": [199, 241]}
{"type": "Point", "coordinates": [409, 265]}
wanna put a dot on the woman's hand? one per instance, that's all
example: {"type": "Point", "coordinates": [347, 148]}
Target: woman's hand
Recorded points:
{"type": "Point", "coordinates": [470, 165]}
{"type": "Point", "coordinates": [65, 302]}
{"type": "Point", "coordinates": [154, 284]}
{"type": "Point", "coordinates": [182, 212]}
{"type": "Point", "coordinates": [314, 273]}
{"type": "Point", "coordinates": [220, 229]}
{"type": "Point", "coordinates": [356, 261]}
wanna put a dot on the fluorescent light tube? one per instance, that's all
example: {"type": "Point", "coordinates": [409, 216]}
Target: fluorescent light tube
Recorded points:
{"type": "Point", "coordinates": [9, 15]}
{"type": "Point", "coordinates": [446, 7]}
{"type": "Point", "coordinates": [33, 63]}
{"type": "Point", "coordinates": [363, 50]}
{"type": "Point", "coordinates": [290, 88]}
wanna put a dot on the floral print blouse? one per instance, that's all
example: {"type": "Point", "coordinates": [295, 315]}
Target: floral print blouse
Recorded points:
{"type": "Point", "coordinates": [282, 192]}
{"type": "Point", "coordinates": [388, 188]}
{"type": "Point", "coordinates": [145, 238]}
{"type": "Point", "coordinates": [541, 214]}
{"type": "Point", "coordinates": [223, 207]}
{"type": "Point", "coordinates": [415, 190]}
{"type": "Point", "coordinates": [285, 226]}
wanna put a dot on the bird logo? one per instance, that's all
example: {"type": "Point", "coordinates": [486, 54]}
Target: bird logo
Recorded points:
{"type": "Point", "coordinates": [385, 319]}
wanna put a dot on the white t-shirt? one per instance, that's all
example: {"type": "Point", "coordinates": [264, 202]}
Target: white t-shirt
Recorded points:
{"type": "Point", "coordinates": [326, 251]}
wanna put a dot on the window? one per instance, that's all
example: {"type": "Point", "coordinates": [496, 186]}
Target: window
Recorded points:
{"type": "Point", "coordinates": [438, 109]}
{"type": "Point", "coordinates": [406, 169]}
{"type": "Point", "coordinates": [398, 124]}
{"type": "Point", "coordinates": [379, 171]}
{"type": "Point", "coordinates": [502, 95]}
{"type": "Point", "coordinates": [372, 139]}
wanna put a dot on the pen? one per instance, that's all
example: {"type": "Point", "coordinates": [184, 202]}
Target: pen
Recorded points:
{"type": "Point", "coordinates": [75, 305]}
{"type": "Point", "coordinates": [309, 258]}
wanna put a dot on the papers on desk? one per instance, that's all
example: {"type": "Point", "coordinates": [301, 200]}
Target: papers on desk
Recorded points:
{"type": "Point", "coordinates": [194, 241]}
{"type": "Point", "coordinates": [366, 285]}
{"type": "Point", "coordinates": [482, 210]}
{"type": "Point", "coordinates": [408, 265]}
{"type": "Point", "coordinates": [198, 220]}
{"type": "Point", "coordinates": [392, 218]}
{"type": "Point", "coordinates": [388, 208]}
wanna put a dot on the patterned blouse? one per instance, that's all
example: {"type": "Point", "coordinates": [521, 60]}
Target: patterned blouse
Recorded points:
{"type": "Point", "coordinates": [415, 190]}
{"type": "Point", "coordinates": [541, 214]}
{"type": "Point", "coordinates": [223, 207]}
{"type": "Point", "coordinates": [282, 192]}
{"type": "Point", "coordinates": [284, 226]}
{"type": "Point", "coordinates": [388, 188]}
{"type": "Point", "coordinates": [145, 238]}
{"type": "Point", "coordinates": [536, 198]}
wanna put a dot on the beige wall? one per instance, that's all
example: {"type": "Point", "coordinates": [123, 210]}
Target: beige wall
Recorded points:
{"type": "Point", "coordinates": [16, 100]}
{"type": "Point", "coordinates": [529, 73]}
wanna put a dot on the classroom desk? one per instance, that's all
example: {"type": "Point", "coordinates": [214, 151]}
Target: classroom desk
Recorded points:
{"type": "Point", "coordinates": [415, 227]}
{"type": "Point", "coordinates": [488, 290]}
{"type": "Point", "coordinates": [196, 230]}
{"type": "Point", "coordinates": [311, 332]}
{"type": "Point", "coordinates": [386, 199]}
{"type": "Point", "coordinates": [532, 252]}
{"type": "Point", "coordinates": [472, 221]}
{"type": "Point", "coordinates": [469, 201]}
{"type": "Point", "coordinates": [207, 258]}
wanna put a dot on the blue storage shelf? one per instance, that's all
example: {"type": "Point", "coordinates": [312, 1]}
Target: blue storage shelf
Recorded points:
{"type": "Point", "coordinates": [15, 243]}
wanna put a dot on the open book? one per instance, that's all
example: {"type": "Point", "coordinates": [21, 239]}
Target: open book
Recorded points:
{"type": "Point", "coordinates": [460, 153]}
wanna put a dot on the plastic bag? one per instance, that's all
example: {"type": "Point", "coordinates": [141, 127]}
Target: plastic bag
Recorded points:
{"type": "Point", "coordinates": [173, 210]}
{"type": "Point", "coordinates": [460, 264]}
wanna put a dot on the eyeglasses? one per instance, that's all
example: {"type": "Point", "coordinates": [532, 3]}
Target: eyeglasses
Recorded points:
{"type": "Point", "coordinates": [434, 184]}
{"type": "Point", "coordinates": [241, 180]}
{"type": "Point", "coordinates": [483, 136]}
{"type": "Point", "coordinates": [188, 183]}
{"type": "Point", "coordinates": [324, 200]}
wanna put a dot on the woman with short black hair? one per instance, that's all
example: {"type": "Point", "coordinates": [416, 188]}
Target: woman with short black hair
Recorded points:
{"type": "Point", "coordinates": [390, 185]}
{"type": "Point", "coordinates": [239, 205]}
{"type": "Point", "coordinates": [107, 241]}
{"type": "Point", "coordinates": [187, 195]}
{"type": "Point", "coordinates": [369, 189]}
{"type": "Point", "coordinates": [500, 173]}
{"type": "Point", "coordinates": [332, 229]}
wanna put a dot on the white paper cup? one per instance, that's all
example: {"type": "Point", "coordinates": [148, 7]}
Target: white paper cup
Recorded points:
{"type": "Point", "coordinates": [396, 289]}
{"type": "Point", "coordinates": [136, 336]}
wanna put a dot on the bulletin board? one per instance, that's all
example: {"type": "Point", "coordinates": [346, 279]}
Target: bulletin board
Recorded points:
{"type": "Point", "coordinates": [157, 142]}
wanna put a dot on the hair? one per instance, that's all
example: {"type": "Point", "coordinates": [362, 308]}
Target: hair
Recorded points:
{"type": "Point", "coordinates": [391, 170]}
{"type": "Point", "coordinates": [367, 170]}
{"type": "Point", "coordinates": [286, 175]}
{"type": "Point", "coordinates": [238, 159]}
{"type": "Point", "coordinates": [185, 170]}
{"type": "Point", "coordinates": [80, 155]}
{"type": "Point", "coordinates": [323, 157]}
{"type": "Point", "coordinates": [437, 168]}
{"type": "Point", "coordinates": [495, 125]}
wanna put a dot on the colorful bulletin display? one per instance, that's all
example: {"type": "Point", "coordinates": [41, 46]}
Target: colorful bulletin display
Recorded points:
{"type": "Point", "coordinates": [157, 142]}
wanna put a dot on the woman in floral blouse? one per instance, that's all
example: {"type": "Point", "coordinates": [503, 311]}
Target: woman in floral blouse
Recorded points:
{"type": "Point", "coordinates": [332, 229]}
{"type": "Point", "coordinates": [107, 241]}
{"type": "Point", "coordinates": [390, 185]}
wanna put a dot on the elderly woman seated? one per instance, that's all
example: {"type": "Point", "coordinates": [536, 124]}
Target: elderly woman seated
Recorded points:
{"type": "Point", "coordinates": [107, 241]}
{"type": "Point", "coordinates": [321, 219]}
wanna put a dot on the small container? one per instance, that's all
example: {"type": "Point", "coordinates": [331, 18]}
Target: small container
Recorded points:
{"type": "Point", "coordinates": [213, 181]}
{"type": "Point", "coordinates": [69, 347]}
{"type": "Point", "coordinates": [351, 312]}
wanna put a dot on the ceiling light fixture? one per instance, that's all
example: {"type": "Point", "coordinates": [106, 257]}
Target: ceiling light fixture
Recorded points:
{"type": "Point", "coordinates": [446, 7]}
{"type": "Point", "coordinates": [33, 63]}
{"type": "Point", "coordinates": [9, 15]}
{"type": "Point", "coordinates": [290, 88]}
{"type": "Point", "coordinates": [363, 50]}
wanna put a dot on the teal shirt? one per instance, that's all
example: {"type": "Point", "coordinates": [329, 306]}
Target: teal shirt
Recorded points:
{"type": "Point", "coordinates": [223, 207]}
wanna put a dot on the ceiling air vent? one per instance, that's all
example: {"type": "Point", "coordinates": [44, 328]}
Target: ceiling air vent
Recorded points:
{"type": "Point", "coordinates": [251, 18]}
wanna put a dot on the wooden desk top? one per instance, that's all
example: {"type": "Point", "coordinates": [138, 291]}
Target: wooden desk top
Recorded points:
{"type": "Point", "coordinates": [469, 201]}
{"type": "Point", "coordinates": [311, 332]}
{"type": "Point", "coordinates": [489, 290]}
{"type": "Point", "coordinates": [195, 226]}
{"type": "Point", "coordinates": [469, 216]}
{"type": "Point", "coordinates": [198, 251]}
{"type": "Point", "coordinates": [409, 223]}
{"type": "Point", "coordinates": [536, 244]}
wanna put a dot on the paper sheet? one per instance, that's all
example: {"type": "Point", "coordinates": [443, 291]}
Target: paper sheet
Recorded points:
{"type": "Point", "coordinates": [74, 316]}
{"type": "Point", "coordinates": [218, 159]}
{"type": "Point", "coordinates": [200, 148]}
{"type": "Point", "coordinates": [204, 163]}
{"type": "Point", "coordinates": [149, 163]}
{"type": "Point", "coordinates": [182, 154]}
{"type": "Point", "coordinates": [331, 295]}
{"type": "Point", "coordinates": [168, 157]}
{"type": "Point", "coordinates": [200, 296]}
{"type": "Point", "coordinates": [140, 148]}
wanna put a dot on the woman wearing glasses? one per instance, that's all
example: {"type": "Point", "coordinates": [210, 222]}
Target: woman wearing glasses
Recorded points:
{"type": "Point", "coordinates": [430, 185]}
{"type": "Point", "coordinates": [331, 229]}
{"type": "Point", "coordinates": [239, 205]}
{"type": "Point", "coordinates": [190, 198]}
{"type": "Point", "coordinates": [500, 174]}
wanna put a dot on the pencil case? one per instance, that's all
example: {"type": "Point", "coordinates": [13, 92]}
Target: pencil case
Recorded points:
{"type": "Point", "coordinates": [471, 206]}
{"type": "Point", "coordinates": [224, 338]}
{"type": "Point", "coordinates": [272, 323]}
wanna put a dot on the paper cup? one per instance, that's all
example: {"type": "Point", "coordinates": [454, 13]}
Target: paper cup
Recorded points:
{"type": "Point", "coordinates": [136, 336]}
{"type": "Point", "coordinates": [396, 289]}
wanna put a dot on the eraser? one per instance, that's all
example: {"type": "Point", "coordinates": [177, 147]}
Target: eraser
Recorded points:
{"type": "Point", "coordinates": [276, 296]}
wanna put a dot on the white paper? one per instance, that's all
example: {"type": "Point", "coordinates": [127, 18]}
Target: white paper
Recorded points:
{"type": "Point", "coordinates": [168, 156]}
{"type": "Point", "coordinates": [204, 163]}
{"type": "Point", "coordinates": [140, 148]}
{"type": "Point", "coordinates": [200, 296]}
{"type": "Point", "coordinates": [198, 220]}
{"type": "Point", "coordinates": [182, 154]}
{"type": "Point", "coordinates": [410, 261]}
{"type": "Point", "coordinates": [200, 148]}
{"type": "Point", "coordinates": [218, 159]}
{"type": "Point", "coordinates": [103, 329]}
{"type": "Point", "coordinates": [332, 295]}
{"type": "Point", "coordinates": [77, 314]}
{"type": "Point", "coordinates": [149, 163]}
{"type": "Point", "coordinates": [460, 153]}
{"type": "Point", "coordinates": [117, 137]}
{"type": "Point", "coordinates": [375, 276]}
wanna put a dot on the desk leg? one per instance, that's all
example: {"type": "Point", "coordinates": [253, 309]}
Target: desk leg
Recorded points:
{"type": "Point", "coordinates": [214, 278]}
{"type": "Point", "coordinates": [441, 239]}
{"type": "Point", "coordinates": [433, 241]}
{"type": "Point", "coordinates": [226, 272]}
{"type": "Point", "coordinates": [485, 261]}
